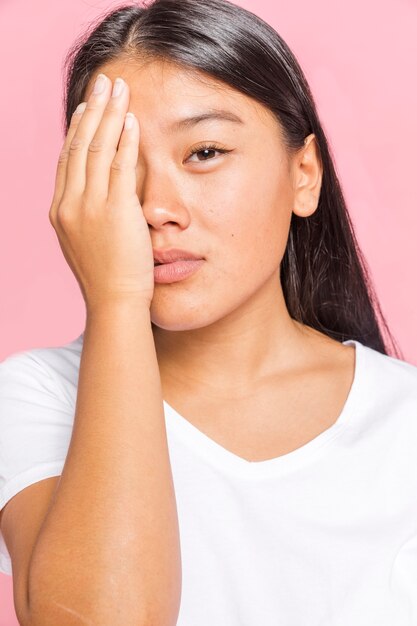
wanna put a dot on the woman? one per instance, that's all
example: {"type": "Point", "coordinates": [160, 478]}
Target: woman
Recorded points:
{"type": "Point", "coordinates": [229, 442]}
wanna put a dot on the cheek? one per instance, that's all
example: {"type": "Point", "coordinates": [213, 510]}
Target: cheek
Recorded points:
{"type": "Point", "coordinates": [249, 220]}
{"type": "Point", "coordinates": [244, 223]}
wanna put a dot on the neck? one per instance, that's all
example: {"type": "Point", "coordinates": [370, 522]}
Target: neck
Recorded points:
{"type": "Point", "coordinates": [257, 340]}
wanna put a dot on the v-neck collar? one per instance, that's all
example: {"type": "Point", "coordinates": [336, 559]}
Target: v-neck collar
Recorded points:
{"type": "Point", "coordinates": [224, 459]}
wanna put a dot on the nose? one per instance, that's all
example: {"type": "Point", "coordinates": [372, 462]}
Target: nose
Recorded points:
{"type": "Point", "coordinates": [161, 200]}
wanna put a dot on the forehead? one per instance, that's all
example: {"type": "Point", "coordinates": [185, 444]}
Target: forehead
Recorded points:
{"type": "Point", "coordinates": [174, 92]}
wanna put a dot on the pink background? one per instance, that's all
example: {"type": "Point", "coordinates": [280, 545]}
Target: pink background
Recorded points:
{"type": "Point", "coordinates": [359, 58]}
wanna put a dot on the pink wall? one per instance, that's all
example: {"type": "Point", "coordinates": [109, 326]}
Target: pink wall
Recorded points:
{"type": "Point", "coordinates": [359, 58]}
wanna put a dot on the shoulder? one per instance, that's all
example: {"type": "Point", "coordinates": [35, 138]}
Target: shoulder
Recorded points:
{"type": "Point", "coordinates": [38, 390]}
{"type": "Point", "coordinates": [40, 371]}
{"type": "Point", "coordinates": [389, 373]}
{"type": "Point", "coordinates": [385, 390]}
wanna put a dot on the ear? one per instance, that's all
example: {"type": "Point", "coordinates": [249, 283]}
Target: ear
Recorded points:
{"type": "Point", "coordinates": [307, 176]}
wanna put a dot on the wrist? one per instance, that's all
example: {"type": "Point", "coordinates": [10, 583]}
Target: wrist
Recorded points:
{"type": "Point", "coordinates": [119, 306]}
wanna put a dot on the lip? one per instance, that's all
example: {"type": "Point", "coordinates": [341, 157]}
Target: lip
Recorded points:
{"type": "Point", "coordinates": [176, 271]}
{"type": "Point", "coordinates": [174, 254]}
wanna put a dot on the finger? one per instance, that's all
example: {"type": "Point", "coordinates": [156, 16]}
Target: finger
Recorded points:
{"type": "Point", "coordinates": [123, 182]}
{"type": "Point", "coordinates": [103, 147]}
{"type": "Point", "coordinates": [61, 169]}
{"type": "Point", "coordinates": [85, 131]}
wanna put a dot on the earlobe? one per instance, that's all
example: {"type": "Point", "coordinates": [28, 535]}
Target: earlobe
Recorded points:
{"type": "Point", "coordinates": [305, 204]}
{"type": "Point", "coordinates": [309, 177]}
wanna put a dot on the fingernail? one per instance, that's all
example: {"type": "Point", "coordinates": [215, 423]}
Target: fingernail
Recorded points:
{"type": "Point", "coordinates": [129, 121]}
{"type": "Point", "coordinates": [117, 87]}
{"type": "Point", "coordinates": [99, 84]}
{"type": "Point", "coordinates": [80, 108]}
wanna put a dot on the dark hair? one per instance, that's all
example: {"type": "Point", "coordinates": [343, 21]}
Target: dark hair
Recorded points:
{"type": "Point", "coordinates": [324, 275]}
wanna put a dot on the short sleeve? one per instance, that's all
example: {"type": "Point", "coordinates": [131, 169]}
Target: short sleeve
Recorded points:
{"type": "Point", "coordinates": [36, 423]}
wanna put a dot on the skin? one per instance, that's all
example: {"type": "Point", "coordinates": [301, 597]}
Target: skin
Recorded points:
{"type": "Point", "coordinates": [222, 350]}
{"type": "Point", "coordinates": [224, 337]}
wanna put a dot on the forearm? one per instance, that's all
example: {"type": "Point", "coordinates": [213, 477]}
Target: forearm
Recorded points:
{"type": "Point", "coordinates": [109, 547]}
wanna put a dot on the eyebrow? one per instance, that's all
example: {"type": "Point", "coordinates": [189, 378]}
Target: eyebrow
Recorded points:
{"type": "Point", "coordinates": [212, 114]}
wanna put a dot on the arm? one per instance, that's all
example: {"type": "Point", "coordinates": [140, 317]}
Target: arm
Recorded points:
{"type": "Point", "coordinates": [108, 551]}
{"type": "Point", "coordinates": [109, 548]}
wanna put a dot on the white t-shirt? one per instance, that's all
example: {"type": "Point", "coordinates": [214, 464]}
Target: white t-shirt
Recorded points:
{"type": "Point", "coordinates": [325, 535]}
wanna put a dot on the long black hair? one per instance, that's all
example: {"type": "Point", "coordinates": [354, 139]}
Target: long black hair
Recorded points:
{"type": "Point", "coordinates": [324, 276]}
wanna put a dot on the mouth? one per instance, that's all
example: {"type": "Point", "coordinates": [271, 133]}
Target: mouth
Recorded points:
{"type": "Point", "coordinates": [176, 270]}
{"type": "Point", "coordinates": [161, 257]}
{"type": "Point", "coordinates": [176, 259]}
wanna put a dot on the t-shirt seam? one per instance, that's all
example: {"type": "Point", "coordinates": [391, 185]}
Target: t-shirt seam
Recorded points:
{"type": "Point", "coordinates": [55, 379]}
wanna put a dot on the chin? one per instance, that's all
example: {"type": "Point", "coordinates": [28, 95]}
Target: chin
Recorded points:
{"type": "Point", "coordinates": [189, 312]}
{"type": "Point", "coordinates": [181, 306]}
{"type": "Point", "coordinates": [179, 322]}
{"type": "Point", "coordinates": [175, 314]}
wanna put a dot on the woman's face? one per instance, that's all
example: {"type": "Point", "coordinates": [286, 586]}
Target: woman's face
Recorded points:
{"type": "Point", "coordinates": [231, 208]}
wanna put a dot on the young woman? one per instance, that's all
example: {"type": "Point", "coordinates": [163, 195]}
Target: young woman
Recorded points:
{"type": "Point", "coordinates": [230, 441]}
